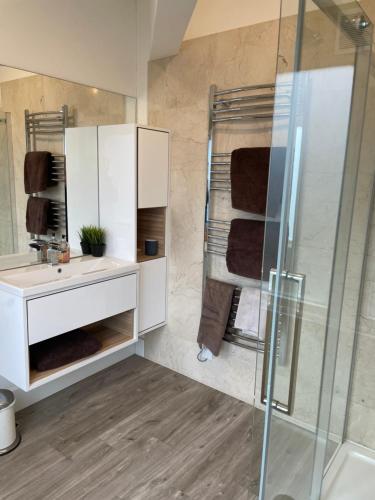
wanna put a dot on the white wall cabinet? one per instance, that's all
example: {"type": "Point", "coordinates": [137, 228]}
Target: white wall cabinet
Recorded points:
{"type": "Point", "coordinates": [131, 183]}
{"type": "Point", "coordinates": [153, 168]}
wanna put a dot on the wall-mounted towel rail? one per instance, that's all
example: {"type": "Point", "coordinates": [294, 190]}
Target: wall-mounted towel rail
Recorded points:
{"type": "Point", "coordinates": [251, 103]}
{"type": "Point", "coordinates": [58, 168]}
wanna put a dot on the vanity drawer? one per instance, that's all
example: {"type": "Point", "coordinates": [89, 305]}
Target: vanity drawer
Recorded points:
{"type": "Point", "coordinates": [64, 311]}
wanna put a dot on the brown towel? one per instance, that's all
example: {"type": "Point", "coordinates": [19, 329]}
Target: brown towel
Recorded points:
{"type": "Point", "coordinates": [245, 248]}
{"type": "Point", "coordinates": [63, 349]}
{"type": "Point", "coordinates": [37, 171]}
{"type": "Point", "coordinates": [217, 303]}
{"type": "Point", "coordinates": [37, 215]}
{"type": "Point", "coordinates": [249, 179]}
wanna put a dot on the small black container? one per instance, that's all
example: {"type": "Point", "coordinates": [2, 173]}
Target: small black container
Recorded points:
{"type": "Point", "coordinates": [86, 247]}
{"type": "Point", "coordinates": [151, 247]}
{"type": "Point", "coordinates": [98, 250]}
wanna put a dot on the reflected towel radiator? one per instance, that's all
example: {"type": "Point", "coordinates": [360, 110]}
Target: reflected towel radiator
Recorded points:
{"type": "Point", "coordinates": [50, 126]}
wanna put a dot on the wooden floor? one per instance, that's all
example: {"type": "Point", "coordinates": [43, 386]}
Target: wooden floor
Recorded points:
{"type": "Point", "coordinates": [135, 431]}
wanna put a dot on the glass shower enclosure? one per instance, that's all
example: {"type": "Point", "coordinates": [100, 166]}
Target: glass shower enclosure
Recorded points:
{"type": "Point", "coordinates": [312, 296]}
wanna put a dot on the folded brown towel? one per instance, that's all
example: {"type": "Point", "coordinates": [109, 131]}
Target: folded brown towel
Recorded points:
{"type": "Point", "coordinates": [63, 349]}
{"type": "Point", "coordinates": [245, 248]}
{"type": "Point", "coordinates": [217, 303]}
{"type": "Point", "coordinates": [37, 215]}
{"type": "Point", "coordinates": [37, 171]}
{"type": "Point", "coordinates": [249, 179]}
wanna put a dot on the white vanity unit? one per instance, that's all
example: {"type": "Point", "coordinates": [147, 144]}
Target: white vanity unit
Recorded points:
{"type": "Point", "coordinates": [99, 295]}
{"type": "Point", "coordinates": [117, 177]}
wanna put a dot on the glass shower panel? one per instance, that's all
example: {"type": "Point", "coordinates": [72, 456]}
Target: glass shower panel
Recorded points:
{"type": "Point", "coordinates": [8, 235]}
{"type": "Point", "coordinates": [319, 68]}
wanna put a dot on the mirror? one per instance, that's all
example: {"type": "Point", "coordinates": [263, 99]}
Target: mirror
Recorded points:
{"type": "Point", "coordinates": [39, 113]}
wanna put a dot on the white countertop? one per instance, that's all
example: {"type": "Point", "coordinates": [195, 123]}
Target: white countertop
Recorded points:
{"type": "Point", "coordinates": [43, 278]}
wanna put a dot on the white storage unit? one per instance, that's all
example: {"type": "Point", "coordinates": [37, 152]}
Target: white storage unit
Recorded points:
{"type": "Point", "coordinates": [132, 174]}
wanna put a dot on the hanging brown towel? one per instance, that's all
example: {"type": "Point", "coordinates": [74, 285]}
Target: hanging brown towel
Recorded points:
{"type": "Point", "coordinates": [63, 349]}
{"type": "Point", "coordinates": [217, 303]}
{"type": "Point", "coordinates": [37, 171]}
{"type": "Point", "coordinates": [249, 179]}
{"type": "Point", "coordinates": [245, 248]}
{"type": "Point", "coordinates": [37, 212]}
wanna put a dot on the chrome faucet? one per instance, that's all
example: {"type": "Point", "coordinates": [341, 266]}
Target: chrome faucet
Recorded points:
{"type": "Point", "coordinates": [41, 247]}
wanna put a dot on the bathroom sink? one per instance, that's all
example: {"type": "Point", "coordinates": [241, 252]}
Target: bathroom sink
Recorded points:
{"type": "Point", "coordinates": [43, 278]}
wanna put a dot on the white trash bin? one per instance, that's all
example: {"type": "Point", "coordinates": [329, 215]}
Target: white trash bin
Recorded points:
{"type": "Point", "coordinates": [10, 438]}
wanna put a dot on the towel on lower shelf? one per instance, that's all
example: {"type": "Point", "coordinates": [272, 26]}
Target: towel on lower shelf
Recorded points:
{"type": "Point", "coordinates": [37, 171]}
{"type": "Point", "coordinates": [245, 248]}
{"type": "Point", "coordinates": [37, 212]}
{"type": "Point", "coordinates": [63, 349]}
{"type": "Point", "coordinates": [216, 308]}
{"type": "Point", "coordinates": [252, 312]}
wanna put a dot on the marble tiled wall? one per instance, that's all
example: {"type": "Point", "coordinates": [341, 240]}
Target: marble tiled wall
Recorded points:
{"type": "Point", "coordinates": [178, 92]}
{"type": "Point", "coordinates": [178, 100]}
{"type": "Point", "coordinates": [87, 106]}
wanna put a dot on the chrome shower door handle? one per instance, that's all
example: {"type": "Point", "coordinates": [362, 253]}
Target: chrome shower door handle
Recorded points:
{"type": "Point", "coordinates": [290, 309]}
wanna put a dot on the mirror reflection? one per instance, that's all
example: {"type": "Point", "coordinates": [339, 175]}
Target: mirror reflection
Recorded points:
{"type": "Point", "coordinates": [38, 161]}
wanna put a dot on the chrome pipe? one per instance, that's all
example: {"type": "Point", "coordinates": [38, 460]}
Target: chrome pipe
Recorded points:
{"type": "Point", "coordinates": [253, 108]}
{"type": "Point", "coordinates": [261, 97]}
{"type": "Point", "coordinates": [248, 87]}
{"type": "Point", "coordinates": [251, 117]}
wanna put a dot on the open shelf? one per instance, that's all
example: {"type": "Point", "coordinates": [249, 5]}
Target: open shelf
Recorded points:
{"type": "Point", "coordinates": [114, 333]}
{"type": "Point", "coordinates": [150, 225]}
{"type": "Point", "coordinates": [141, 257]}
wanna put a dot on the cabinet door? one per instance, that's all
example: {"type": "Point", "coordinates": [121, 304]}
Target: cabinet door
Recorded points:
{"type": "Point", "coordinates": [117, 189]}
{"type": "Point", "coordinates": [153, 290]}
{"type": "Point", "coordinates": [153, 159]}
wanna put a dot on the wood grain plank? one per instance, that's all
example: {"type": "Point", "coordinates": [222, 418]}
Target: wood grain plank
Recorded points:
{"type": "Point", "coordinates": [138, 431]}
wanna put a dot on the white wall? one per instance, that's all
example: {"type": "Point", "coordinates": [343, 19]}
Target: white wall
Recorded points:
{"type": "Point", "coordinates": [85, 41]}
{"type": "Point", "coordinates": [215, 16]}
{"type": "Point", "coordinates": [9, 74]}
{"type": "Point", "coordinates": [161, 28]}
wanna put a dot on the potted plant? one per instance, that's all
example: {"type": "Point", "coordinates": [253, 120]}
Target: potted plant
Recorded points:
{"type": "Point", "coordinates": [84, 236]}
{"type": "Point", "coordinates": [97, 241]}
